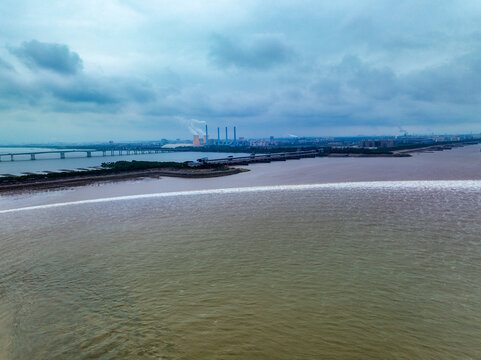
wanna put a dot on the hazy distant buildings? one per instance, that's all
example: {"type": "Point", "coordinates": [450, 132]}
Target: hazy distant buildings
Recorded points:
{"type": "Point", "coordinates": [382, 142]}
{"type": "Point", "coordinates": [378, 143]}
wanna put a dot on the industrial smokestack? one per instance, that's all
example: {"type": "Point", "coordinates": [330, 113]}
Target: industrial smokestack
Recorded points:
{"type": "Point", "coordinates": [196, 141]}
{"type": "Point", "coordinates": [235, 137]}
{"type": "Point", "coordinates": [206, 135]}
{"type": "Point", "coordinates": [218, 135]}
{"type": "Point", "coordinates": [226, 138]}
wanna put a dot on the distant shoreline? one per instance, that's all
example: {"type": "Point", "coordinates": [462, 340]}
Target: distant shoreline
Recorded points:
{"type": "Point", "coordinates": [362, 171]}
{"type": "Point", "coordinates": [78, 179]}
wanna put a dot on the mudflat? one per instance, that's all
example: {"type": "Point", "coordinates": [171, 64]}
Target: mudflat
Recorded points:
{"type": "Point", "coordinates": [81, 180]}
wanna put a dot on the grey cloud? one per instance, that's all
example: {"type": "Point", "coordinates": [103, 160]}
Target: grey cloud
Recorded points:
{"type": "Point", "coordinates": [211, 105]}
{"type": "Point", "coordinates": [102, 90]}
{"type": "Point", "coordinates": [375, 35]}
{"type": "Point", "coordinates": [355, 92]}
{"type": "Point", "coordinates": [140, 91]}
{"type": "Point", "coordinates": [54, 57]}
{"type": "Point", "coordinates": [378, 83]}
{"type": "Point", "coordinates": [352, 92]}
{"type": "Point", "coordinates": [263, 52]}
{"type": "Point", "coordinates": [458, 81]}
{"type": "Point", "coordinates": [5, 65]}
{"type": "Point", "coordinates": [354, 82]}
{"type": "Point", "coordinates": [407, 63]}
{"type": "Point", "coordinates": [84, 91]}
{"type": "Point", "coordinates": [16, 92]}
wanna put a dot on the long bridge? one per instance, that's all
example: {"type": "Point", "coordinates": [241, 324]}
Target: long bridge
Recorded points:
{"type": "Point", "coordinates": [88, 152]}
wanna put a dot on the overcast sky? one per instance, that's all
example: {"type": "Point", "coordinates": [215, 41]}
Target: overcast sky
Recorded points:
{"type": "Point", "coordinates": [129, 70]}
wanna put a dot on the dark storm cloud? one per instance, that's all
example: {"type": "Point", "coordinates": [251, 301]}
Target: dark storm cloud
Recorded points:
{"type": "Point", "coordinates": [263, 52]}
{"type": "Point", "coordinates": [54, 57]}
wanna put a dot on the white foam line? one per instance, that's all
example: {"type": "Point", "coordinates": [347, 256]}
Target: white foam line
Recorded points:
{"type": "Point", "coordinates": [465, 184]}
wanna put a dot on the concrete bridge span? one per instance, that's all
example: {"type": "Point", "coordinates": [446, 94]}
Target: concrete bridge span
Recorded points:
{"type": "Point", "coordinates": [88, 153]}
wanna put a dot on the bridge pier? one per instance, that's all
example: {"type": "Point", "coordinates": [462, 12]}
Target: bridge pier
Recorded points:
{"type": "Point", "coordinates": [62, 155]}
{"type": "Point", "coordinates": [89, 154]}
{"type": "Point", "coordinates": [32, 156]}
{"type": "Point", "coordinates": [103, 152]}
{"type": "Point", "coordinates": [120, 152]}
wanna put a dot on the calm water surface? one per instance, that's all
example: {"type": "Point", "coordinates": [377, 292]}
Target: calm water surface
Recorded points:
{"type": "Point", "coordinates": [386, 271]}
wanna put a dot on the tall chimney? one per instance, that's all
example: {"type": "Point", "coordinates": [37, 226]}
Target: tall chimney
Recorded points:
{"type": "Point", "coordinates": [206, 135]}
{"type": "Point", "coordinates": [235, 137]}
{"type": "Point", "coordinates": [218, 135]}
{"type": "Point", "coordinates": [196, 141]}
{"type": "Point", "coordinates": [226, 138]}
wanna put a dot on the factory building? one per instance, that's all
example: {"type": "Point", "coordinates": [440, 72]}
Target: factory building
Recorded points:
{"type": "Point", "coordinates": [200, 140]}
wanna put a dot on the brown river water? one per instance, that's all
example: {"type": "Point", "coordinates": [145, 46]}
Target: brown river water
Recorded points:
{"type": "Point", "coordinates": [358, 270]}
{"type": "Point", "coordinates": [361, 271]}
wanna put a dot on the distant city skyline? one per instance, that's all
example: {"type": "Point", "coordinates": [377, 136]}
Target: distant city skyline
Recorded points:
{"type": "Point", "coordinates": [122, 70]}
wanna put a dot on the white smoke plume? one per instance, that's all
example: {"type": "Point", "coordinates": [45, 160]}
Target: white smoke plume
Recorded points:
{"type": "Point", "coordinates": [195, 127]}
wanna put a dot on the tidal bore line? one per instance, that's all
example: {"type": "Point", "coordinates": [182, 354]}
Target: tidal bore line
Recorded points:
{"type": "Point", "coordinates": [393, 185]}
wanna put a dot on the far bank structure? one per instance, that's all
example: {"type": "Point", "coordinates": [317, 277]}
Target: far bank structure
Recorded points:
{"type": "Point", "coordinates": [279, 148]}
